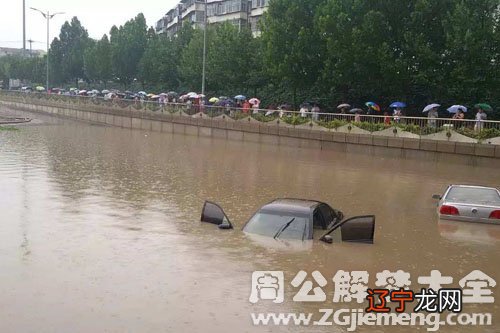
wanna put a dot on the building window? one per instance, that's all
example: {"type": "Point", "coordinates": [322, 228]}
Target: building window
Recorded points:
{"type": "Point", "coordinates": [258, 3]}
{"type": "Point", "coordinates": [233, 6]}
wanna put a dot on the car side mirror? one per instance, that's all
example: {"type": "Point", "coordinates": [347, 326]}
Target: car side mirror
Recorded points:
{"type": "Point", "coordinates": [213, 213]}
{"type": "Point", "coordinates": [327, 239]}
{"type": "Point", "coordinates": [225, 225]}
{"type": "Point", "coordinates": [436, 196]}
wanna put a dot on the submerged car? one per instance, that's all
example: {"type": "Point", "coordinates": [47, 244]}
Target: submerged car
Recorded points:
{"type": "Point", "coordinates": [470, 204]}
{"type": "Point", "coordinates": [298, 219]}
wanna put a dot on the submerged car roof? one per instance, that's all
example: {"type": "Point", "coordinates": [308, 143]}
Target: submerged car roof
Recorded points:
{"type": "Point", "coordinates": [474, 186]}
{"type": "Point", "coordinates": [295, 206]}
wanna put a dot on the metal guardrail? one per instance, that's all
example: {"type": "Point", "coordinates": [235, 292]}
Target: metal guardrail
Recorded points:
{"type": "Point", "coordinates": [369, 124]}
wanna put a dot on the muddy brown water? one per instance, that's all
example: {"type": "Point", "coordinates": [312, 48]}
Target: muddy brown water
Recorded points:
{"type": "Point", "coordinates": [100, 228]}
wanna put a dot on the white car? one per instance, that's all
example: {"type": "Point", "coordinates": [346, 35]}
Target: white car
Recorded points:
{"type": "Point", "coordinates": [470, 204]}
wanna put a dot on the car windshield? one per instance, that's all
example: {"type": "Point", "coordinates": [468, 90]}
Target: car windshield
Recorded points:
{"type": "Point", "coordinates": [471, 195]}
{"type": "Point", "coordinates": [268, 224]}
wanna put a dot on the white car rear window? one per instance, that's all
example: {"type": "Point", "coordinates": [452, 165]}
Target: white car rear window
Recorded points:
{"type": "Point", "coordinates": [471, 195]}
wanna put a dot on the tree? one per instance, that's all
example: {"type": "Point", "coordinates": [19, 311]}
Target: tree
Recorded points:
{"type": "Point", "coordinates": [158, 66]}
{"type": "Point", "coordinates": [293, 47]}
{"type": "Point", "coordinates": [91, 62]}
{"type": "Point", "coordinates": [105, 61]}
{"type": "Point", "coordinates": [190, 66]}
{"type": "Point", "coordinates": [472, 64]}
{"type": "Point", "coordinates": [97, 61]}
{"type": "Point", "coordinates": [229, 60]}
{"type": "Point", "coordinates": [68, 51]}
{"type": "Point", "coordinates": [128, 43]}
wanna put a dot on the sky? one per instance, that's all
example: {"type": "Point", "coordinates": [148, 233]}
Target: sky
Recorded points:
{"type": "Point", "coordinates": [97, 16]}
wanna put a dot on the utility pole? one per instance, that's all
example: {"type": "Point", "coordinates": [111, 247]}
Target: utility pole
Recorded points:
{"type": "Point", "coordinates": [204, 50]}
{"type": "Point", "coordinates": [24, 27]}
{"type": "Point", "coordinates": [48, 16]}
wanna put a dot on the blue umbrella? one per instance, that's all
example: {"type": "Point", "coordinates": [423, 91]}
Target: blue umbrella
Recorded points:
{"type": "Point", "coordinates": [240, 97]}
{"type": "Point", "coordinates": [455, 108]}
{"type": "Point", "coordinates": [397, 105]}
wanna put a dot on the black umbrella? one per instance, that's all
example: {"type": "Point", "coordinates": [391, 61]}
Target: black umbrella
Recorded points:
{"type": "Point", "coordinates": [356, 110]}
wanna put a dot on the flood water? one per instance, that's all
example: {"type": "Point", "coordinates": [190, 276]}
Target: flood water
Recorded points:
{"type": "Point", "coordinates": [100, 228]}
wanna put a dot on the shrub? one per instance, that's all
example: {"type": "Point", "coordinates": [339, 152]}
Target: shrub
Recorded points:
{"type": "Point", "coordinates": [336, 123]}
{"type": "Point", "coordinates": [295, 120]}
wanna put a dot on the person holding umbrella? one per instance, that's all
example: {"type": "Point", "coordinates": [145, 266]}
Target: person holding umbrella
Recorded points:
{"type": "Point", "coordinates": [255, 103]}
{"type": "Point", "coordinates": [458, 112]}
{"type": "Point", "coordinates": [397, 110]}
{"type": "Point", "coordinates": [432, 110]}
{"type": "Point", "coordinates": [460, 115]}
{"type": "Point", "coordinates": [344, 108]}
{"type": "Point", "coordinates": [372, 107]}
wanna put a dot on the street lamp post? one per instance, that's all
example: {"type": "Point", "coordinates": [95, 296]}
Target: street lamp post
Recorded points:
{"type": "Point", "coordinates": [48, 16]}
{"type": "Point", "coordinates": [204, 49]}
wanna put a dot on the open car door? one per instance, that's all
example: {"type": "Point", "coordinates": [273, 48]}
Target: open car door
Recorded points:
{"type": "Point", "coordinates": [359, 229]}
{"type": "Point", "coordinates": [213, 213]}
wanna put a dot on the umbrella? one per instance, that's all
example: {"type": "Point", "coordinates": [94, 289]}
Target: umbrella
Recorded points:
{"type": "Point", "coordinates": [482, 106]}
{"type": "Point", "coordinates": [39, 88]}
{"type": "Point", "coordinates": [430, 107]}
{"type": "Point", "coordinates": [356, 110]}
{"type": "Point", "coordinates": [226, 102]}
{"type": "Point", "coordinates": [213, 100]}
{"type": "Point", "coordinates": [73, 89]}
{"type": "Point", "coordinates": [201, 96]}
{"type": "Point", "coordinates": [455, 108]}
{"type": "Point", "coordinates": [155, 96]}
{"type": "Point", "coordinates": [163, 94]}
{"type": "Point", "coordinates": [172, 93]}
{"type": "Point", "coordinates": [222, 98]}
{"type": "Point", "coordinates": [344, 106]}
{"type": "Point", "coordinates": [128, 92]}
{"type": "Point", "coordinates": [142, 93]}
{"type": "Point", "coordinates": [254, 101]}
{"type": "Point", "coordinates": [105, 92]}
{"type": "Point", "coordinates": [397, 105]}
{"type": "Point", "coordinates": [373, 105]}
{"type": "Point", "coordinates": [240, 97]}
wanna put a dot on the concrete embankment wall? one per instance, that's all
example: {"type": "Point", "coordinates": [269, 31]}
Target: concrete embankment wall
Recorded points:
{"type": "Point", "coordinates": [278, 134]}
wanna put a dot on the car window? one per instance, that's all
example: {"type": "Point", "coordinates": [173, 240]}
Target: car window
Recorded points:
{"type": "Point", "coordinates": [471, 195]}
{"type": "Point", "coordinates": [318, 220]}
{"type": "Point", "coordinates": [267, 224]}
{"type": "Point", "coordinates": [328, 213]}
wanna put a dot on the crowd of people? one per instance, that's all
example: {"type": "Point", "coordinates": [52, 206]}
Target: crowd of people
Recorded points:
{"type": "Point", "coordinates": [456, 112]}
{"type": "Point", "coordinates": [199, 102]}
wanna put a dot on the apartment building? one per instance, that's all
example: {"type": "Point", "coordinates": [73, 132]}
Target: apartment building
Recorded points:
{"type": "Point", "coordinates": [241, 13]}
